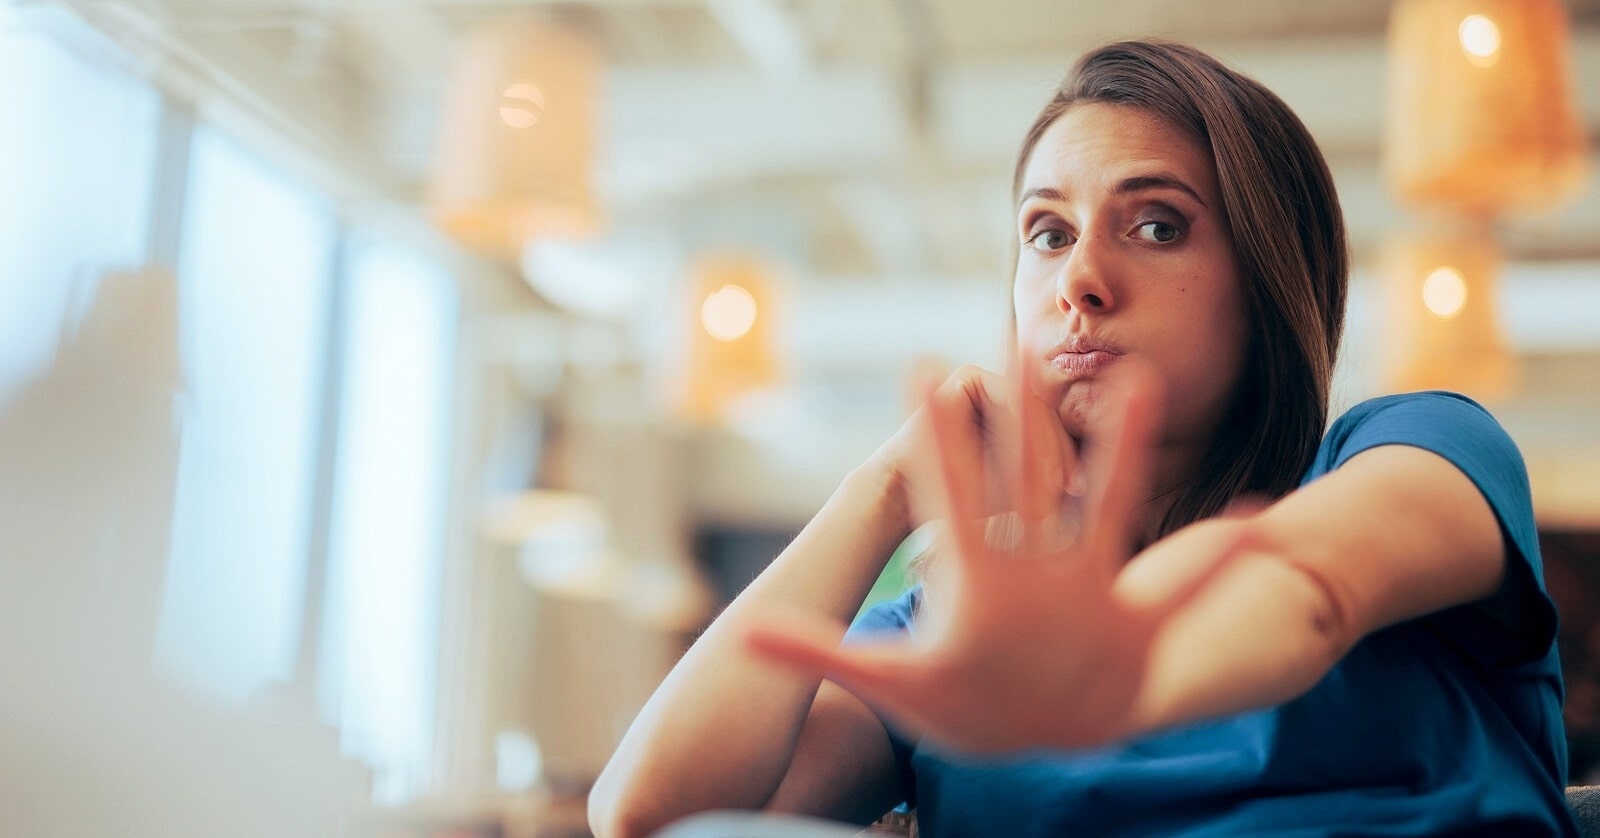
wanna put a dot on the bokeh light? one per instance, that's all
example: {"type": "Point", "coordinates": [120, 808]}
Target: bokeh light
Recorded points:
{"type": "Point", "coordinates": [728, 313]}
{"type": "Point", "coordinates": [1444, 292]}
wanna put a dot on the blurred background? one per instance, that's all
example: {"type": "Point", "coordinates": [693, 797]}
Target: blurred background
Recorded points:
{"type": "Point", "coordinates": [389, 389]}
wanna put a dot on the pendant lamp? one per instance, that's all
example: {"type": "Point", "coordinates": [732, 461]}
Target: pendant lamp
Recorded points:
{"type": "Point", "coordinates": [1481, 117]}
{"type": "Point", "coordinates": [731, 336]}
{"type": "Point", "coordinates": [1442, 331]}
{"type": "Point", "coordinates": [517, 141]}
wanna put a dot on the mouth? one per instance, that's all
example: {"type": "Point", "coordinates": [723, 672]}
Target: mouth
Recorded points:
{"type": "Point", "coordinates": [1083, 363]}
{"type": "Point", "coordinates": [1082, 355]}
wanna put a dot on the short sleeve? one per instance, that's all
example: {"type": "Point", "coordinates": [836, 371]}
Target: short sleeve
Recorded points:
{"type": "Point", "coordinates": [882, 622]}
{"type": "Point", "coordinates": [1515, 625]}
{"type": "Point", "coordinates": [886, 618]}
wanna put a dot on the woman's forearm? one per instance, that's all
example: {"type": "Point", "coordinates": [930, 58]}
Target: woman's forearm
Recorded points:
{"type": "Point", "coordinates": [1395, 533]}
{"type": "Point", "coordinates": [720, 731]}
{"type": "Point", "coordinates": [1262, 632]}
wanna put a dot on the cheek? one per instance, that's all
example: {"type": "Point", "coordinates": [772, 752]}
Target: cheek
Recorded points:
{"type": "Point", "coordinates": [1033, 282]}
{"type": "Point", "coordinates": [1033, 291]}
{"type": "Point", "coordinates": [1211, 357]}
{"type": "Point", "coordinates": [1029, 317]}
{"type": "Point", "coordinates": [1215, 306]}
{"type": "Point", "coordinates": [1024, 297]}
{"type": "Point", "coordinates": [1233, 325]}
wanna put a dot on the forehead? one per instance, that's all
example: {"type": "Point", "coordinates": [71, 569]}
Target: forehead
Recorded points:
{"type": "Point", "coordinates": [1100, 144]}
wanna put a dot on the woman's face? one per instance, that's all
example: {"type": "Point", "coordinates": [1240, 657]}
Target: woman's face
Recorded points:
{"type": "Point", "coordinates": [1126, 254]}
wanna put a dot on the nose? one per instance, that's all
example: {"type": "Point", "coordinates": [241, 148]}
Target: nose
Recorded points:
{"type": "Point", "coordinates": [1085, 281]}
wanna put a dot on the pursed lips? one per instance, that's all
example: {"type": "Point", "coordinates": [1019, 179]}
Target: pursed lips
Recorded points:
{"type": "Point", "coordinates": [1083, 355]}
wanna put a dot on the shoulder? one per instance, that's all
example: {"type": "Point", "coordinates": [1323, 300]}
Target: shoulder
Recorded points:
{"type": "Point", "coordinates": [1452, 426]}
{"type": "Point", "coordinates": [1424, 414]}
{"type": "Point", "coordinates": [1448, 424]}
{"type": "Point", "coordinates": [1517, 623]}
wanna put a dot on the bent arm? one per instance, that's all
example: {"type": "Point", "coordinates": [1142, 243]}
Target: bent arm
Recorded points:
{"type": "Point", "coordinates": [723, 729]}
{"type": "Point", "coordinates": [1397, 532]}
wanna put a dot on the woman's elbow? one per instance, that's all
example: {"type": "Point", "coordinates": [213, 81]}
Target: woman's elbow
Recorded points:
{"type": "Point", "coordinates": [1332, 624]}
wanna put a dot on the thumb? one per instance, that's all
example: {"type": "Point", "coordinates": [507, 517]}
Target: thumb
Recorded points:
{"type": "Point", "coordinates": [1245, 506]}
{"type": "Point", "coordinates": [1244, 538]}
{"type": "Point", "coordinates": [881, 673]}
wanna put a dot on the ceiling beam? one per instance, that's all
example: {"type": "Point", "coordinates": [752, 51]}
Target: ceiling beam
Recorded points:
{"type": "Point", "coordinates": [767, 33]}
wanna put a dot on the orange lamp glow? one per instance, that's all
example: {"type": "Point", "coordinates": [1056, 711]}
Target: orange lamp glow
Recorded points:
{"type": "Point", "coordinates": [731, 349]}
{"type": "Point", "coordinates": [517, 142]}
{"type": "Point", "coordinates": [1482, 117]}
{"type": "Point", "coordinates": [1442, 332]}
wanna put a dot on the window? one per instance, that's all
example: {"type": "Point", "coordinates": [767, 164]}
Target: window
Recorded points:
{"type": "Point", "coordinates": [379, 666]}
{"type": "Point", "coordinates": [260, 270]}
{"type": "Point", "coordinates": [77, 154]}
{"type": "Point", "coordinates": [255, 283]}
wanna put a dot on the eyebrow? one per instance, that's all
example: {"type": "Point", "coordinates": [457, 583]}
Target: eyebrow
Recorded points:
{"type": "Point", "coordinates": [1140, 183]}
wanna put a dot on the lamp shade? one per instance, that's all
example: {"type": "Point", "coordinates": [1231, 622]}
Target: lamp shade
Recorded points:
{"type": "Point", "coordinates": [517, 142]}
{"type": "Point", "coordinates": [1481, 114]}
{"type": "Point", "coordinates": [1443, 330]}
{"type": "Point", "coordinates": [731, 335]}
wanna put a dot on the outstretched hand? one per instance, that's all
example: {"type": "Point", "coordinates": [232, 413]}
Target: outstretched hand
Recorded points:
{"type": "Point", "coordinates": [1031, 644]}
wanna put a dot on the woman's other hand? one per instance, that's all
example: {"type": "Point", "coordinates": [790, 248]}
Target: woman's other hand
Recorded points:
{"type": "Point", "coordinates": [981, 413]}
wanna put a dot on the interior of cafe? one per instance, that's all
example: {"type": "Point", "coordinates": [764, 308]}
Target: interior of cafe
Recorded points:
{"type": "Point", "coordinates": [391, 390]}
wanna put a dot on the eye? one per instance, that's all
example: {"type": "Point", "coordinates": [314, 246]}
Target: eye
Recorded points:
{"type": "Point", "coordinates": [1159, 232]}
{"type": "Point", "coordinates": [1049, 240]}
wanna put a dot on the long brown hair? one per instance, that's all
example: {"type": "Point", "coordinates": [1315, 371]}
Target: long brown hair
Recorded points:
{"type": "Point", "coordinates": [1288, 237]}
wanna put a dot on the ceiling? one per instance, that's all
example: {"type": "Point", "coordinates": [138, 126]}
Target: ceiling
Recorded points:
{"type": "Point", "coordinates": [856, 140]}
{"type": "Point", "coordinates": [866, 145]}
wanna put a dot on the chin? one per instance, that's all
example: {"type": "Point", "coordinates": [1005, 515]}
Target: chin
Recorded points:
{"type": "Point", "coordinates": [1081, 408]}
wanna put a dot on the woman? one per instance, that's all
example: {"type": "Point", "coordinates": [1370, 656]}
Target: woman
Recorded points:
{"type": "Point", "coordinates": [1206, 616]}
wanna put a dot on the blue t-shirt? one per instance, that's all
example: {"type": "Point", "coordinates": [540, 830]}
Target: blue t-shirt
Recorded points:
{"type": "Point", "coordinates": [1448, 724]}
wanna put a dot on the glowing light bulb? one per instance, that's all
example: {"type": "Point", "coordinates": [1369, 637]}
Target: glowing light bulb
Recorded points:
{"type": "Point", "coordinates": [729, 313]}
{"type": "Point", "coordinates": [1444, 292]}
{"type": "Point", "coordinates": [1480, 39]}
{"type": "Point", "coordinates": [521, 104]}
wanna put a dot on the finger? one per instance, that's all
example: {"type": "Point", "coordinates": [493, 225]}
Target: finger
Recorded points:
{"type": "Point", "coordinates": [1074, 482]}
{"type": "Point", "coordinates": [1124, 469]}
{"type": "Point", "coordinates": [1034, 498]}
{"type": "Point", "coordinates": [925, 375]}
{"type": "Point", "coordinates": [1243, 540]}
{"type": "Point", "coordinates": [1065, 479]}
{"type": "Point", "coordinates": [959, 454]}
{"type": "Point", "coordinates": [1245, 506]}
{"type": "Point", "coordinates": [883, 673]}
{"type": "Point", "coordinates": [1046, 454]}
{"type": "Point", "coordinates": [1045, 467]}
